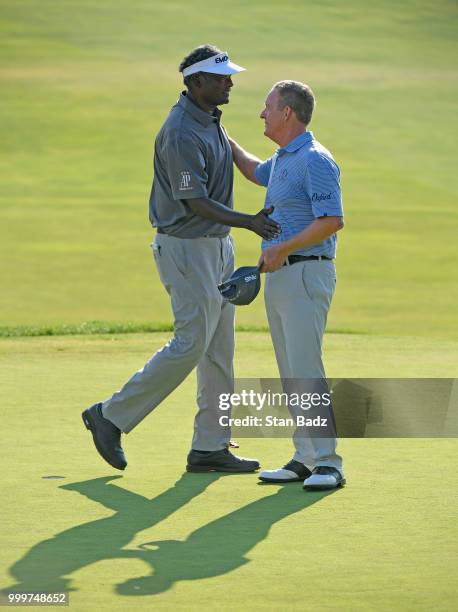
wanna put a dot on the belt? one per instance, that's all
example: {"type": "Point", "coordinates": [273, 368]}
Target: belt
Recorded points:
{"type": "Point", "coordinates": [292, 259]}
{"type": "Point", "coordinates": [159, 230]}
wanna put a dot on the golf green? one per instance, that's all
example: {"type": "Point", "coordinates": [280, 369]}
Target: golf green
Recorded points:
{"type": "Point", "coordinates": [157, 537]}
{"type": "Point", "coordinates": [85, 87]}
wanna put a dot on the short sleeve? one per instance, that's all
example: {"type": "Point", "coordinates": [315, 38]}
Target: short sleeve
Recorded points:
{"type": "Point", "coordinates": [262, 172]}
{"type": "Point", "coordinates": [186, 167]}
{"type": "Point", "coordinates": [323, 187]}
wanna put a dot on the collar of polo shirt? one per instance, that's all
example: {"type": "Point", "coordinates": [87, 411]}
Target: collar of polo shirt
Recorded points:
{"type": "Point", "coordinates": [296, 143]}
{"type": "Point", "coordinates": [216, 64]}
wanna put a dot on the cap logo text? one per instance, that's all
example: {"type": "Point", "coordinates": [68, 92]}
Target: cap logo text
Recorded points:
{"type": "Point", "coordinates": [251, 277]}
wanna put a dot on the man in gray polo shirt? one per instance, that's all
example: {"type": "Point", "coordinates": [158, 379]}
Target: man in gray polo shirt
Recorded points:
{"type": "Point", "coordinates": [191, 207]}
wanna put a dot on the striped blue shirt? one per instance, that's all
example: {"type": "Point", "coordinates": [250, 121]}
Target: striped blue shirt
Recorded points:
{"type": "Point", "coordinates": [305, 185]}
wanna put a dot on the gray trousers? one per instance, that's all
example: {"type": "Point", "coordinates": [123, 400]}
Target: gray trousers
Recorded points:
{"type": "Point", "coordinates": [190, 270]}
{"type": "Point", "coordinates": [297, 299]}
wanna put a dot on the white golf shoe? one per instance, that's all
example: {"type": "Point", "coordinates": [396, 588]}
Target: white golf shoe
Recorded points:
{"type": "Point", "coordinates": [324, 477]}
{"type": "Point", "coordinates": [291, 472]}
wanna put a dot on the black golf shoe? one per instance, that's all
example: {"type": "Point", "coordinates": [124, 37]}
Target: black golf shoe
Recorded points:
{"type": "Point", "coordinates": [219, 461]}
{"type": "Point", "coordinates": [107, 437]}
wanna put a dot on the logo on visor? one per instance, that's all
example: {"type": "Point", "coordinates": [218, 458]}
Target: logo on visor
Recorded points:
{"type": "Point", "coordinates": [219, 60]}
{"type": "Point", "coordinates": [185, 182]}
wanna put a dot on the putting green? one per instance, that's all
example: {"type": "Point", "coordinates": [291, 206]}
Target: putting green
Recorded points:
{"type": "Point", "coordinates": [154, 537]}
{"type": "Point", "coordinates": [85, 87]}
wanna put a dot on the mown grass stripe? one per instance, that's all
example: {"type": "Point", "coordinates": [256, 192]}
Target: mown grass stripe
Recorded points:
{"type": "Point", "coordinates": [105, 327]}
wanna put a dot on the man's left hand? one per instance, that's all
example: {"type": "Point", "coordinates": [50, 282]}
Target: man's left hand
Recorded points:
{"type": "Point", "coordinates": [272, 258]}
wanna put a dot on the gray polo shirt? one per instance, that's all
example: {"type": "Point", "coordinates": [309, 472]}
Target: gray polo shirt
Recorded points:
{"type": "Point", "coordinates": [192, 159]}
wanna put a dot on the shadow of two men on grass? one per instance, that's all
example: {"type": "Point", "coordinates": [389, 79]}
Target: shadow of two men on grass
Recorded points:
{"type": "Point", "coordinates": [211, 550]}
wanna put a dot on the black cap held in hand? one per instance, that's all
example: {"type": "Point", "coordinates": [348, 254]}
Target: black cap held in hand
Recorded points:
{"type": "Point", "coordinates": [242, 287]}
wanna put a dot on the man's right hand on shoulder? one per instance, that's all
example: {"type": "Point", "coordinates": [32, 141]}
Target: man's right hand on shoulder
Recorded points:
{"type": "Point", "coordinates": [245, 162]}
{"type": "Point", "coordinates": [263, 226]}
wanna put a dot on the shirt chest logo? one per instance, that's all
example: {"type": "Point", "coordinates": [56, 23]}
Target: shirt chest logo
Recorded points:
{"type": "Point", "coordinates": [185, 180]}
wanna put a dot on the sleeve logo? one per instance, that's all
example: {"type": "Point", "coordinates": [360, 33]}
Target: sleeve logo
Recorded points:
{"type": "Point", "coordinates": [185, 180]}
{"type": "Point", "coordinates": [318, 197]}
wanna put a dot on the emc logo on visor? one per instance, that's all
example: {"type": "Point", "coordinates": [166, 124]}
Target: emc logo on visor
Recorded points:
{"type": "Point", "coordinates": [218, 60]}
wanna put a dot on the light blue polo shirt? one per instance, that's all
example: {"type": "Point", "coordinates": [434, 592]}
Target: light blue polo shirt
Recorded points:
{"type": "Point", "coordinates": [305, 185]}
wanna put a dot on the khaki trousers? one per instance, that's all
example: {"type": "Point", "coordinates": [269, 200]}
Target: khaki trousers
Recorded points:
{"type": "Point", "coordinates": [297, 299]}
{"type": "Point", "coordinates": [190, 270]}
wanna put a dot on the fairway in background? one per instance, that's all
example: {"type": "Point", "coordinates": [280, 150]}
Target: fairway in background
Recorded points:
{"type": "Point", "coordinates": [85, 87]}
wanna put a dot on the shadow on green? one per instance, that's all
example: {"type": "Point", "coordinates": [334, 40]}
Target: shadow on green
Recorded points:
{"type": "Point", "coordinates": [212, 550]}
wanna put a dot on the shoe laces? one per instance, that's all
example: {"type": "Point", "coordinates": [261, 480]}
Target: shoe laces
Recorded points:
{"type": "Point", "coordinates": [291, 464]}
{"type": "Point", "coordinates": [324, 469]}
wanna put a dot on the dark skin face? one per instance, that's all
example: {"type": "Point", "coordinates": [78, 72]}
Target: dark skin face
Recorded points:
{"type": "Point", "coordinates": [210, 90]}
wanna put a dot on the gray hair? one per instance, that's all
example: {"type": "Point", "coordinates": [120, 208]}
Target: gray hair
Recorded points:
{"type": "Point", "coordinates": [298, 96]}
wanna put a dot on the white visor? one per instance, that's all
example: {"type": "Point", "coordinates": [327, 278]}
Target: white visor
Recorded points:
{"type": "Point", "coordinates": [217, 64]}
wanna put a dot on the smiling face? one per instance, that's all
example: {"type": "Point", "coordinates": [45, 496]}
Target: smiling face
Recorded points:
{"type": "Point", "coordinates": [274, 118]}
{"type": "Point", "coordinates": [215, 88]}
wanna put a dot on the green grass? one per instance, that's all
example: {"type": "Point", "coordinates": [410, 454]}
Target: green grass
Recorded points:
{"type": "Point", "coordinates": [107, 327]}
{"type": "Point", "coordinates": [346, 355]}
{"type": "Point", "coordinates": [85, 328]}
{"type": "Point", "coordinates": [86, 85]}
{"type": "Point", "coordinates": [157, 538]}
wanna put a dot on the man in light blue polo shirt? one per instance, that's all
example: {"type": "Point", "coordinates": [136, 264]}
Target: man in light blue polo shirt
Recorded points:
{"type": "Point", "coordinates": [303, 184]}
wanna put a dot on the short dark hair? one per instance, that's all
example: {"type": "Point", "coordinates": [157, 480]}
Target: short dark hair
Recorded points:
{"type": "Point", "coordinates": [197, 55]}
{"type": "Point", "coordinates": [298, 96]}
